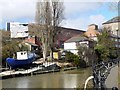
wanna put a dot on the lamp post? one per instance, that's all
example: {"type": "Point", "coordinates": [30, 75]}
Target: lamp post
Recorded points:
{"type": "Point", "coordinates": [117, 46]}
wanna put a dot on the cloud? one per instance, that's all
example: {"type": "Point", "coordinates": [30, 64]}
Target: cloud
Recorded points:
{"type": "Point", "coordinates": [91, 0]}
{"type": "Point", "coordinates": [80, 7]}
{"type": "Point", "coordinates": [13, 9]}
{"type": "Point", "coordinates": [97, 19]}
{"type": "Point", "coordinates": [78, 23]}
{"type": "Point", "coordinates": [81, 14]}
{"type": "Point", "coordinates": [82, 23]}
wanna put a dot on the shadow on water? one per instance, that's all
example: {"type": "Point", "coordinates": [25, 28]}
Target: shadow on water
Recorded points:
{"type": "Point", "coordinates": [63, 79]}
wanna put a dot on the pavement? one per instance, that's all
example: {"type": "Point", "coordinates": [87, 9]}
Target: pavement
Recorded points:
{"type": "Point", "coordinates": [112, 79]}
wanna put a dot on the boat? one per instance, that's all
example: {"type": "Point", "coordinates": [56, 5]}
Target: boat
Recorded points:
{"type": "Point", "coordinates": [23, 59]}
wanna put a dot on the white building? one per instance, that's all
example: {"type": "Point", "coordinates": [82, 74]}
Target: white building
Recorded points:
{"type": "Point", "coordinates": [113, 25]}
{"type": "Point", "coordinates": [18, 30]}
{"type": "Point", "coordinates": [72, 43]}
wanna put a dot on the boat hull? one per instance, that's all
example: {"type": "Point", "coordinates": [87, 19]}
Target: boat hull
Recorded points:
{"type": "Point", "coordinates": [14, 63]}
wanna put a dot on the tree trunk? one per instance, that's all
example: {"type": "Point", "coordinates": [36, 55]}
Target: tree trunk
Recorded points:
{"type": "Point", "coordinates": [51, 55]}
{"type": "Point", "coordinates": [44, 55]}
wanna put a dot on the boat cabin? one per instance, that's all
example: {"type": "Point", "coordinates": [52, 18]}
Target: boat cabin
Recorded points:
{"type": "Point", "coordinates": [22, 55]}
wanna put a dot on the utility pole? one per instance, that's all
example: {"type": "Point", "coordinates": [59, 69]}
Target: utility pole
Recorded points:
{"type": "Point", "coordinates": [117, 46]}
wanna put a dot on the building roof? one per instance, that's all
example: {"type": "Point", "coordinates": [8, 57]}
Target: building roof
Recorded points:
{"type": "Point", "coordinates": [113, 20]}
{"type": "Point", "coordinates": [77, 38]}
{"type": "Point", "coordinates": [32, 44]}
{"type": "Point", "coordinates": [71, 29]}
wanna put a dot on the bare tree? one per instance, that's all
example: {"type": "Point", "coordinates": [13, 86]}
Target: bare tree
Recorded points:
{"type": "Point", "coordinates": [49, 15]}
{"type": "Point", "coordinates": [57, 17]}
{"type": "Point", "coordinates": [43, 20]}
{"type": "Point", "coordinates": [114, 6]}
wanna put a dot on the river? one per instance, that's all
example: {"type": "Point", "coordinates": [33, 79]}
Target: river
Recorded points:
{"type": "Point", "coordinates": [63, 79]}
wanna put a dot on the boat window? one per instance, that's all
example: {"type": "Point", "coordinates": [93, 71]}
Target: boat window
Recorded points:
{"type": "Point", "coordinates": [21, 53]}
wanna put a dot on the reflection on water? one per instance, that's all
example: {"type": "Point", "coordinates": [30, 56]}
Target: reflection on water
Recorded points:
{"type": "Point", "coordinates": [70, 81]}
{"type": "Point", "coordinates": [24, 83]}
{"type": "Point", "coordinates": [67, 79]}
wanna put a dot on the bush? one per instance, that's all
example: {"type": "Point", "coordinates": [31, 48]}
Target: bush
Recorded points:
{"type": "Point", "coordinates": [70, 57]}
{"type": "Point", "coordinates": [82, 63]}
{"type": "Point", "coordinates": [102, 52]}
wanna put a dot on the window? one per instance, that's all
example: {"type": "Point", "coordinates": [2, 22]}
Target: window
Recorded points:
{"type": "Point", "coordinates": [26, 31]}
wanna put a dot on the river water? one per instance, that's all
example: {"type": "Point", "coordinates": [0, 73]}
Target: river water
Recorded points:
{"type": "Point", "coordinates": [64, 79]}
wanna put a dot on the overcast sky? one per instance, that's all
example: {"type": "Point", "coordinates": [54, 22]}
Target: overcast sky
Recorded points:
{"type": "Point", "coordinates": [78, 14]}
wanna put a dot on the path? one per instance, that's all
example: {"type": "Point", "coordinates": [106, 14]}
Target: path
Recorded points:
{"type": "Point", "coordinates": [112, 79]}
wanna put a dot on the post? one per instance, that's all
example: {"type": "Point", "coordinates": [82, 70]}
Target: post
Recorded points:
{"type": "Point", "coordinates": [117, 46]}
{"type": "Point", "coordinates": [6, 65]}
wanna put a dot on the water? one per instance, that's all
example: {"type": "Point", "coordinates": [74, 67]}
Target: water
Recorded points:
{"type": "Point", "coordinates": [66, 79]}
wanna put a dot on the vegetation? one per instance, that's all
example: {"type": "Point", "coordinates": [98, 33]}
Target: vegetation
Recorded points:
{"type": "Point", "coordinates": [10, 48]}
{"type": "Point", "coordinates": [86, 54]}
{"type": "Point", "coordinates": [105, 47]}
{"type": "Point", "coordinates": [70, 57]}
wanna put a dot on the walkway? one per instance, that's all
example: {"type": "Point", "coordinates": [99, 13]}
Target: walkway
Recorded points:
{"type": "Point", "coordinates": [112, 79]}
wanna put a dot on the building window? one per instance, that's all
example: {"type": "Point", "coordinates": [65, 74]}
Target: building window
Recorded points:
{"type": "Point", "coordinates": [26, 31]}
{"type": "Point", "coordinates": [115, 39]}
{"type": "Point", "coordinates": [61, 44]}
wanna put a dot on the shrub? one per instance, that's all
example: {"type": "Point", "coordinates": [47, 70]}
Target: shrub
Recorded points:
{"type": "Point", "coordinates": [70, 57]}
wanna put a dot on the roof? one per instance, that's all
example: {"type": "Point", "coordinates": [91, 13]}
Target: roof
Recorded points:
{"type": "Point", "coordinates": [71, 29]}
{"type": "Point", "coordinates": [77, 38]}
{"type": "Point", "coordinates": [113, 20]}
{"type": "Point", "coordinates": [92, 25]}
{"type": "Point", "coordinates": [32, 44]}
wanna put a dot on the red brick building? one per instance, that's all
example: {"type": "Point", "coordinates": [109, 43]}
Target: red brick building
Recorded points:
{"type": "Point", "coordinates": [62, 35]}
{"type": "Point", "coordinates": [65, 34]}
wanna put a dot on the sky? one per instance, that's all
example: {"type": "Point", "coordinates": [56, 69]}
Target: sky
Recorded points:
{"type": "Point", "coordinates": [78, 14]}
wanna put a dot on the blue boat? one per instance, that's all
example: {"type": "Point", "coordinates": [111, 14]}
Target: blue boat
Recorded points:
{"type": "Point", "coordinates": [23, 59]}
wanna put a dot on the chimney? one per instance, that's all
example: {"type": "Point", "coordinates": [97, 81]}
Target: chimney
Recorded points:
{"type": "Point", "coordinates": [93, 27]}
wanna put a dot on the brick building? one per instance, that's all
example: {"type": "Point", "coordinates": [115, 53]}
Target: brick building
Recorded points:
{"type": "Point", "coordinates": [63, 34]}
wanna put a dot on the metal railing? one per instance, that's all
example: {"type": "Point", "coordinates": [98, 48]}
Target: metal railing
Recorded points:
{"type": "Point", "coordinates": [100, 74]}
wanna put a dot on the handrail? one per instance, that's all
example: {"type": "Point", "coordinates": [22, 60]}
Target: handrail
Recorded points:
{"type": "Point", "coordinates": [100, 73]}
{"type": "Point", "coordinates": [89, 78]}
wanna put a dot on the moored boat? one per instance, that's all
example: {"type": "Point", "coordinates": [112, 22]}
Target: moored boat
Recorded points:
{"type": "Point", "coordinates": [23, 58]}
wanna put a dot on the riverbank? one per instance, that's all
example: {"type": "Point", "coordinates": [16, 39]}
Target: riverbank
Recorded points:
{"type": "Point", "coordinates": [32, 71]}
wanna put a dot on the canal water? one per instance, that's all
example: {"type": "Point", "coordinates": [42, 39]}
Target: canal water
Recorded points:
{"type": "Point", "coordinates": [63, 79]}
